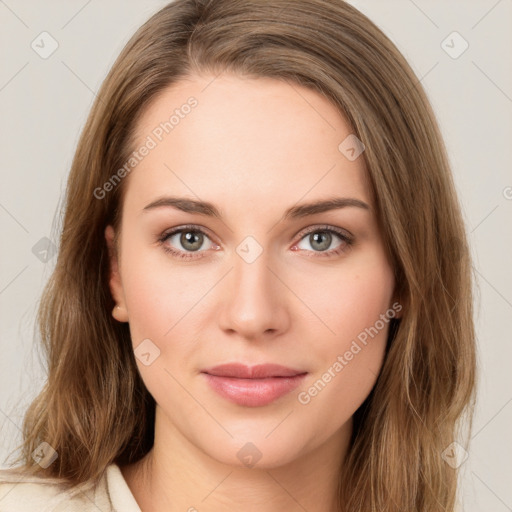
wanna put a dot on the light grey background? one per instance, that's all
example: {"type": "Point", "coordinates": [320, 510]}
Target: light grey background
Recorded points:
{"type": "Point", "coordinates": [44, 104]}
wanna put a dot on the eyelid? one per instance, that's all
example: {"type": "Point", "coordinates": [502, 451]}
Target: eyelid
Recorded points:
{"type": "Point", "coordinates": [327, 227]}
{"type": "Point", "coordinates": [187, 227]}
{"type": "Point", "coordinates": [191, 227]}
{"type": "Point", "coordinates": [347, 241]}
{"type": "Point", "coordinates": [300, 234]}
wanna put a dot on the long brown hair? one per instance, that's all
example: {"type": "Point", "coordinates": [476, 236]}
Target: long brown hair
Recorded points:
{"type": "Point", "coordinates": [94, 408]}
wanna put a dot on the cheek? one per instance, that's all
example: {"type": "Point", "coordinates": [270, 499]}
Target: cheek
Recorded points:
{"type": "Point", "coordinates": [160, 296]}
{"type": "Point", "coordinates": [353, 311]}
{"type": "Point", "coordinates": [162, 301]}
{"type": "Point", "coordinates": [350, 360]}
{"type": "Point", "coordinates": [345, 301]}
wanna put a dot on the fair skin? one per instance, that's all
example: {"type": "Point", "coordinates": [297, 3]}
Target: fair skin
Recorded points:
{"type": "Point", "coordinates": [253, 148]}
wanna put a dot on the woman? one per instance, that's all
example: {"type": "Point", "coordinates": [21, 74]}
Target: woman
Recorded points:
{"type": "Point", "coordinates": [263, 297]}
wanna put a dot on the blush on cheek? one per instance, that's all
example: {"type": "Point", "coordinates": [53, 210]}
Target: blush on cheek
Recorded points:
{"type": "Point", "coordinates": [355, 313]}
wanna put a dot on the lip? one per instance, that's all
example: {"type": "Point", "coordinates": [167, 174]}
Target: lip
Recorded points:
{"type": "Point", "coordinates": [253, 386]}
{"type": "Point", "coordinates": [259, 371]}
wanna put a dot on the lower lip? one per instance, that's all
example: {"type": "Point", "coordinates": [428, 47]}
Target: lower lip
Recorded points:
{"type": "Point", "coordinates": [253, 392]}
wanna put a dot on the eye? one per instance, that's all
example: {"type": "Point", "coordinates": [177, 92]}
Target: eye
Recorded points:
{"type": "Point", "coordinates": [189, 239]}
{"type": "Point", "coordinates": [321, 238]}
{"type": "Point", "coordinates": [187, 242]}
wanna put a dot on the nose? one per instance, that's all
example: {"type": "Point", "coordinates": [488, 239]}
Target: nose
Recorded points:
{"type": "Point", "coordinates": [254, 302]}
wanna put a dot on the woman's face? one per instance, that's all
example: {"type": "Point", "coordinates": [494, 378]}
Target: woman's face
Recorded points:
{"type": "Point", "coordinates": [264, 280]}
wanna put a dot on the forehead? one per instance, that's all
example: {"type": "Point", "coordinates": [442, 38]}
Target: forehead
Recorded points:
{"type": "Point", "coordinates": [264, 139]}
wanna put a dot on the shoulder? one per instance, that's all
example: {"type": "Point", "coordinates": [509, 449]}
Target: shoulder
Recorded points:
{"type": "Point", "coordinates": [20, 492]}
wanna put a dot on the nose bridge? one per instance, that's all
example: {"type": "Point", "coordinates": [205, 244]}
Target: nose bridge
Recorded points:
{"type": "Point", "coordinates": [252, 277]}
{"type": "Point", "coordinates": [255, 302]}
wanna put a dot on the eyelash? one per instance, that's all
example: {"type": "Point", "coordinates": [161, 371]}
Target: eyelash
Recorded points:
{"type": "Point", "coordinates": [348, 241]}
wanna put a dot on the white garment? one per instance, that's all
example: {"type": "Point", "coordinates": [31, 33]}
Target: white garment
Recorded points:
{"type": "Point", "coordinates": [19, 493]}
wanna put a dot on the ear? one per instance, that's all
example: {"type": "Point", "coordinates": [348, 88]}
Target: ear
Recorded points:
{"type": "Point", "coordinates": [119, 312]}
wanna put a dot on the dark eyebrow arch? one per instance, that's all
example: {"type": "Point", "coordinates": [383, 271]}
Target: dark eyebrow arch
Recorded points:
{"type": "Point", "coordinates": [295, 212]}
{"type": "Point", "coordinates": [335, 203]}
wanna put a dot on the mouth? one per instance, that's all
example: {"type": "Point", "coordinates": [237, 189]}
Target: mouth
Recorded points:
{"type": "Point", "coordinates": [253, 386]}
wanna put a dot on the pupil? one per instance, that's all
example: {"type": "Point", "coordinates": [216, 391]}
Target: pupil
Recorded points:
{"type": "Point", "coordinates": [190, 240]}
{"type": "Point", "coordinates": [326, 239]}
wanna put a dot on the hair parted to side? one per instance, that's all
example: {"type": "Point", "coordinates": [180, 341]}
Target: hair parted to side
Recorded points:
{"type": "Point", "coordinates": [94, 408]}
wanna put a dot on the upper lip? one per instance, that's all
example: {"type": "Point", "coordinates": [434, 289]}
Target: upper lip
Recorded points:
{"type": "Point", "coordinates": [259, 371]}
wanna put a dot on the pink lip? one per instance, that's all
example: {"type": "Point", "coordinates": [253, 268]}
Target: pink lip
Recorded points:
{"type": "Point", "coordinates": [253, 386]}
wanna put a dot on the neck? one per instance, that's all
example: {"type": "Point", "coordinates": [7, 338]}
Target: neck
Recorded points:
{"type": "Point", "coordinates": [177, 476]}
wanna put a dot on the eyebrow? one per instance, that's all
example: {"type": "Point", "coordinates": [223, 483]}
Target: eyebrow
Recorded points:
{"type": "Point", "coordinates": [295, 212]}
